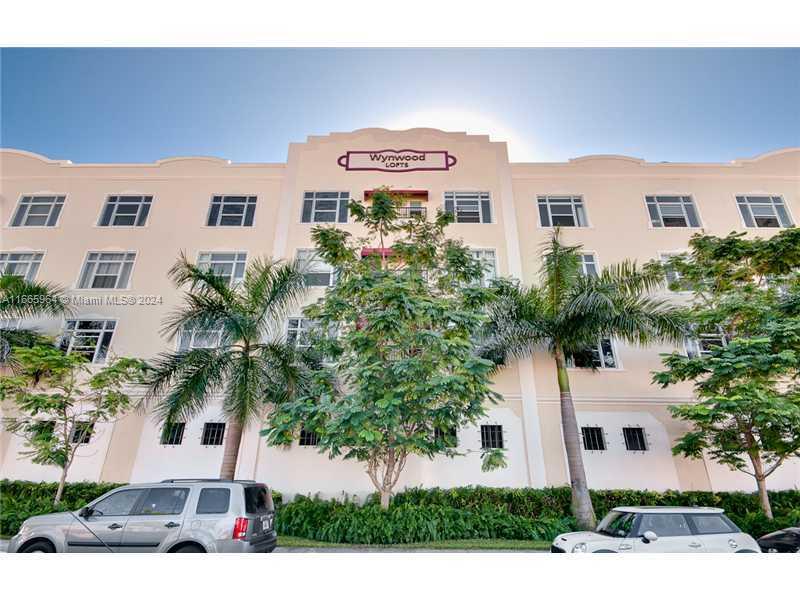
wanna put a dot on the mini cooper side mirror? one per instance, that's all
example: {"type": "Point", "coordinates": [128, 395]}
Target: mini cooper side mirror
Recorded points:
{"type": "Point", "coordinates": [649, 536]}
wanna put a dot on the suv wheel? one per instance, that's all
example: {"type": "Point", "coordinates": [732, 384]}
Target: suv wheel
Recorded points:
{"type": "Point", "coordinates": [41, 546]}
{"type": "Point", "coordinates": [190, 548]}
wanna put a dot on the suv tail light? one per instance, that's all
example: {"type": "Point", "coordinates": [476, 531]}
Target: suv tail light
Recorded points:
{"type": "Point", "coordinates": [240, 528]}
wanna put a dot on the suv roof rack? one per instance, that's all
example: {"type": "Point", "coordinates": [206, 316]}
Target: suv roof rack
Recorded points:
{"type": "Point", "coordinates": [190, 479]}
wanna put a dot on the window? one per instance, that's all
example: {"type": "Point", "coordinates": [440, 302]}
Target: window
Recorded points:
{"type": "Point", "coordinates": [318, 273]}
{"type": "Point", "coordinates": [297, 331]}
{"type": "Point", "coordinates": [118, 504]}
{"type": "Point", "coordinates": [488, 259]}
{"type": "Point", "coordinates": [125, 211]}
{"type": "Point", "coordinates": [588, 264]}
{"type": "Point", "coordinates": [664, 525]}
{"type": "Point", "coordinates": [228, 265]}
{"type": "Point", "coordinates": [257, 500]}
{"type": "Point", "coordinates": [491, 436]}
{"type": "Point", "coordinates": [38, 211]}
{"type": "Point", "coordinates": [449, 436]}
{"type": "Point", "coordinates": [712, 524]}
{"type": "Point", "coordinates": [107, 270]}
{"type": "Point", "coordinates": [600, 356]}
{"type": "Point", "coordinates": [469, 207]}
{"type": "Point", "coordinates": [190, 339]}
{"type": "Point", "coordinates": [43, 430]}
{"type": "Point", "coordinates": [763, 211]}
{"type": "Point", "coordinates": [325, 207]}
{"type": "Point", "coordinates": [213, 501]}
{"type": "Point", "coordinates": [562, 211]}
{"type": "Point", "coordinates": [82, 432]}
{"type": "Point", "coordinates": [703, 344]}
{"type": "Point", "coordinates": [232, 211]}
{"type": "Point", "coordinates": [213, 434]}
{"type": "Point", "coordinates": [617, 524]}
{"type": "Point", "coordinates": [163, 501]}
{"type": "Point", "coordinates": [172, 434]}
{"type": "Point", "coordinates": [672, 276]}
{"type": "Point", "coordinates": [593, 438]}
{"type": "Point", "coordinates": [635, 439]}
{"type": "Point", "coordinates": [308, 438]}
{"type": "Point", "coordinates": [90, 338]}
{"type": "Point", "coordinates": [23, 264]}
{"type": "Point", "coordinates": [672, 211]}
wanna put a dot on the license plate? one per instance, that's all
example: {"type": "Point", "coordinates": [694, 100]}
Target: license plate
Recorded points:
{"type": "Point", "coordinates": [266, 523]}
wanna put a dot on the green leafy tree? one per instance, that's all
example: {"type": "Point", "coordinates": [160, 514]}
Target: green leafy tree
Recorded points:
{"type": "Point", "coordinates": [397, 330]}
{"type": "Point", "coordinates": [59, 400]}
{"type": "Point", "coordinates": [745, 319]}
{"type": "Point", "coordinates": [567, 313]}
{"type": "Point", "coordinates": [249, 364]}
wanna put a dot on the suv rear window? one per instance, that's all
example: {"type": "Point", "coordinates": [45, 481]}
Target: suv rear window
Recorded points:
{"type": "Point", "coordinates": [213, 501]}
{"type": "Point", "coordinates": [710, 524]}
{"type": "Point", "coordinates": [257, 500]}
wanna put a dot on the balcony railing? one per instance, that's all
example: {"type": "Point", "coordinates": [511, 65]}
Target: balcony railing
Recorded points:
{"type": "Point", "coordinates": [407, 212]}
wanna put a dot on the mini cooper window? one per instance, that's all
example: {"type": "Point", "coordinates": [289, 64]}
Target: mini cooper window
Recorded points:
{"type": "Point", "coordinates": [711, 524]}
{"type": "Point", "coordinates": [664, 524]}
{"type": "Point", "coordinates": [616, 524]}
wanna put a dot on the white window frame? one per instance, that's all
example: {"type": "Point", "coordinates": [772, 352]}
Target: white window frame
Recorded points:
{"type": "Point", "coordinates": [220, 437]}
{"type": "Point", "coordinates": [573, 200]}
{"type": "Point", "coordinates": [693, 345]}
{"type": "Point", "coordinates": [341, 195]}
{"type": "Point", "coordinates": [645, 438]}
{"type": "Point", "coordinates": [205, 262]}
{"type": "Point", "coordinates": [304, 325]}
{"type": "Point", "coordinates": [71, 332]}
{"type": "Point", "coordinates": [488, 259]}
{"type": "Point", "coordinates": [603, 438]}
{"type": "Point", "coordinates": [584, 263]}
{"type": "Point", "coordinates": [170, 440]}
{"type": "Point", "coordinates": [663, 257]}
{"type": "Point", "coordinates": [309, 260]}
{"type": "Point", "coordinates": [26, 201]}
{"type": "Point", "coordinates": [143, 203]}
{"type": "Point", "coordinates": [12, 257]}
{"type": "Point", "coordinates": [222, 200]}
{"type": "Point", "coordinates": [781, 201]}
{"type": "Point", "coordinates": [124, 274]}
{"type": "Point", "coordinates": [193, 335]}
{"type": "Point", "coordinates": [503, 439]}
{"type": "Point", "coordinates": [464, 196]}
{"type": "Point", "coordinates": [682, 200]}
{"type": "Point", "coordinates": [601, 357]}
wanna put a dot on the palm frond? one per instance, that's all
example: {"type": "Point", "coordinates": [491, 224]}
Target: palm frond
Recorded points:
{"type": "Point", "coordinates": [271, 289]}
{"type": "Point", "coordinates": [184, 272]}
{"type": "Point", "coordinates": [24, 299]}
{"type": "Point", "coordinates": [559, 271]}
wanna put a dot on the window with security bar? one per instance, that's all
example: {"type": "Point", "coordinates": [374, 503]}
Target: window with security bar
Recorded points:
{"type": "Point", "coordinates": [325, 207]}
{"type": "Point", "coordinates": [635, 439]}
{"type": "Point", "coordinates": [672, 211]}
{"type": "Point", "coordinates": [491, 436]}
{"type": "Point", "coordinates": [125, 211]}
{"type": "Point", "coordinates": [38, 211]}
{"type": "Point", "coordinates": [22, 264]}
{"type": "Point", "coordinates": [593, 438]}
{"type": "Point", "coordinates": [172, 434]}
{"type": "Point", "coordinates": [469, 207]}
{"type": "Point", "coordinates": [588, 264]}
{"type": "Point", "coordinates": [316, 272]}
{"type": "Point", "coordinates": [764, 211]}
{"type": "Point", "coordinates": [82, 432]}
{"type": "Point", "coordinates": [232, 211]}
{"type": "Point", "coordinates": [91, 338]}
{"type": "Point", "coordinates": [107, 270]}
{"type": "Point", "coordinates": [448, 437]}
{"type": "Point", "coordinates": [230, 266]}
{"type": "Point", "coordinates": [488, 259]}
{"type": "Point", "coordinates": [600, 356]}
{"type": "Point", "coordinates": [562, 211]}
{"type": "Point", "coordinates": [308, 437]}
{"type": "Point", "coordinates": [213, 434]}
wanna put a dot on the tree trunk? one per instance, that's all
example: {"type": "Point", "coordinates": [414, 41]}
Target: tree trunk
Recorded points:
{"type": "Point", "coordinates": [761, 482]}
{"type": "Point", "coordinates": [386, 496]}
{"type": "Point", "coordinates": [230, 455]}
{"type": "Point", "coordinates": [581, 500]}
{"type": "Point", "coordinates": [61, 482]}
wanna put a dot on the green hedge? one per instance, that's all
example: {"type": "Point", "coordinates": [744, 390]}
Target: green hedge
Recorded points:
{"type": "Point", "coordinates": [22, 499]}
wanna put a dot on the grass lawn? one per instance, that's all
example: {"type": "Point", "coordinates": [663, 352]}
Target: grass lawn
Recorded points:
{"type": "Point", "coordinates": [297, 542]}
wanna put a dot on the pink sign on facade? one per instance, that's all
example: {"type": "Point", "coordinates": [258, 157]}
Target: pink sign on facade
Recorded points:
{"type": "Point", "coordinates": [397, 161]}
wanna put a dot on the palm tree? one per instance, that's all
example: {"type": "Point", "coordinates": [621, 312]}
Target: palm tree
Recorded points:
{"type": "Point", "coordinates": [567, 313]}
{"type": "Point", "coordinates": [249, 364]}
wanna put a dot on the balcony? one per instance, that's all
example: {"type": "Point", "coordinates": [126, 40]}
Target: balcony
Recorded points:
{"type": "Point", "coordinates": [407, 212]}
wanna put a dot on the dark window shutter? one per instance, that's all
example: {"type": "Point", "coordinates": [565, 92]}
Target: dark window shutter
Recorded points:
{"type": "Point", "coordinates": [213, 214]}
{"type": "Point", "coordinates": [249, 214]}
{"type": "Point", "coordinates": [144, 210]}
{"type": "Point", "coordinates": [343, 209]}
{"type": "Point", "coordinates": [105, 218]}
{"type": "Point", "coordinates": [544, 215]}
{"type": "Point", "coordinates": [486, 210]}
{"type": "Point", "coordinates": [51, 222]}
{"type": "Point", "coordinates": [308, 208]}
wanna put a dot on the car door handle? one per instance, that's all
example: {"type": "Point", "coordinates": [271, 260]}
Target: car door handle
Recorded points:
{"type": "Point", "coordinates": [171, 524]}
{"type": "Point", "coordinates": [115, 526]}
{"type": "Point", "coordinates": [695, 545]}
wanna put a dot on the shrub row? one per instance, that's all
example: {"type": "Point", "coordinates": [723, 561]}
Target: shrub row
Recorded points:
{"type": "Point", "coordinates": [22, 499]}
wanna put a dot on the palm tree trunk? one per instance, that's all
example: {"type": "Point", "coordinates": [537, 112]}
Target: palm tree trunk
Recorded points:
{"type": "Point", "coordinates": [230, 455]}
{"type": "Point", "coordinates": [582, 507]}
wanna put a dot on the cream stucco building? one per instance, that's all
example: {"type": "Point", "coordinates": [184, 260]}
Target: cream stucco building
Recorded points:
{"type": "Point", "coordinates": [111, 231]}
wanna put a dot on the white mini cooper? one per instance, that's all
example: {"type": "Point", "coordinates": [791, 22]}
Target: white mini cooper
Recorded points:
{"type": "Point", "coordinates": [659, 529]}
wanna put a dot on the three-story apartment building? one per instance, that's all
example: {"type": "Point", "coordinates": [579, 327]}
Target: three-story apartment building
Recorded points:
{"type": "Point", "coordinates": [110, 232]}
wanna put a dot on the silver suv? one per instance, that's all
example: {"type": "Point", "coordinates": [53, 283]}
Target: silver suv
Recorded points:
{"type": "Point", "coordinates": [176, 515]}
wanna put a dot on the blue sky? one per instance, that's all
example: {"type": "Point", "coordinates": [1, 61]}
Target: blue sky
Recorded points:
{"type": "Point", "coordinates": [137, 105]}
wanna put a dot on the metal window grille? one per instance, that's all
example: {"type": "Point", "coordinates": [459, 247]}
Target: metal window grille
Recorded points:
{"type": "Point", "coordinates": [213, 434]}
{"type": "Point", "coordinates": [635, 439]}
{"type": "Point", "coordinates": [491, 436]}
{"type": "Point", "coordinates": [232, 211]}
{"type": "Point", "coordinates": [562, 211]}
{"type": "Point", "coordinates": [38, 211]}
{"type": "Point", "coordinates": [469, 207]}
{"type": "Point", "coordinates": [172, 434]}
{"type": "Point", "coordinates": [593, 438]}
{"type": "Point", "coordinates": [230, 266]}
{"type": "Point", "coordinates": [672, 211]}
{"type": "Point", "coordinates": [308, 438]}
{"type": "Point", "coordinates": [325, 207]}
{"type": "Point", "coordinates": [764, 211]}
{"type": "Point", "coordinates": [107, 270]}
{"type": "Point", "coordinates": [449, 437]}
{"type": "Point", "coordinates": [90, 338]}
{"type": "Point", "coordinates": [125, 211]}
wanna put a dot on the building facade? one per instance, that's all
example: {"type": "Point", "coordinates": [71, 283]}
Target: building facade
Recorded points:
{"type": "Point", "coordinates": [110, 232]}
